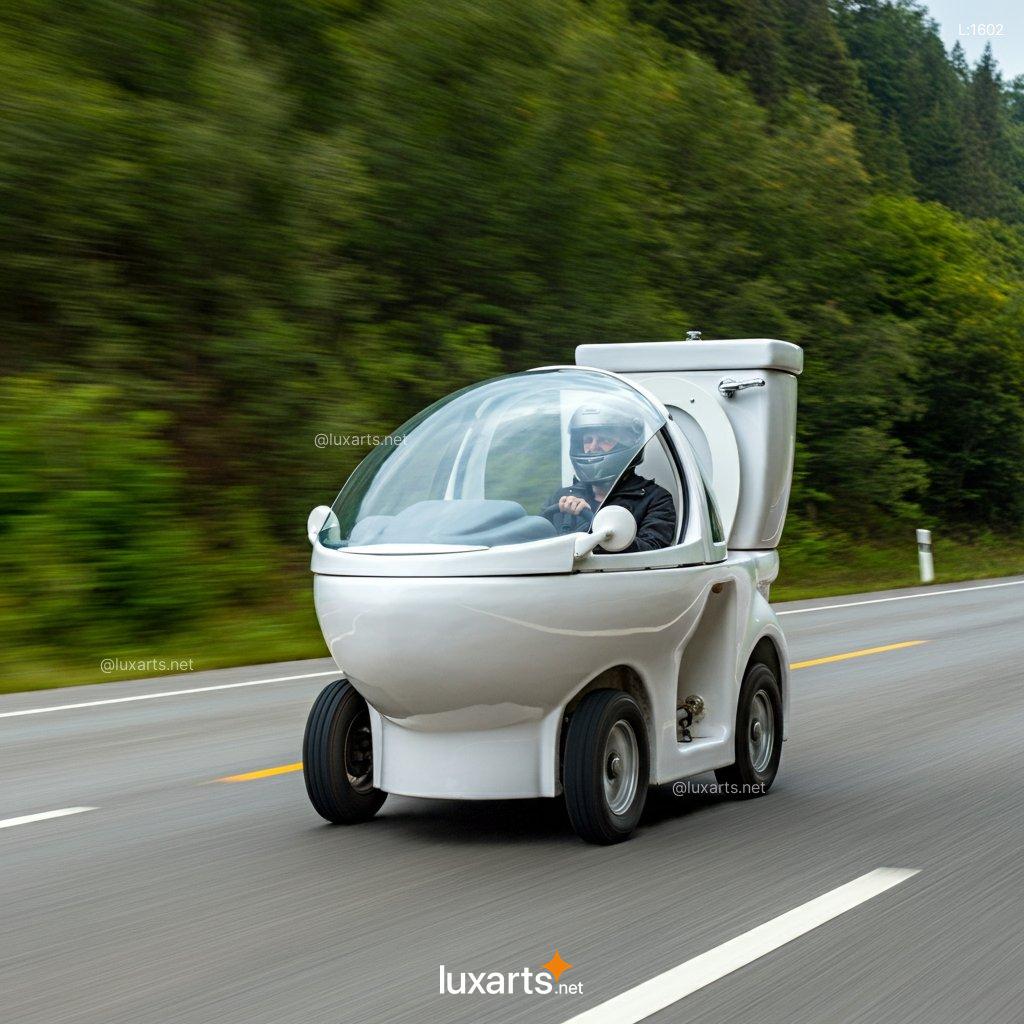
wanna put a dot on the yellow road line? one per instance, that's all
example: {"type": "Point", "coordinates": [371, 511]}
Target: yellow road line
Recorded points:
{"type": "Point", "coordinates": [856, 654]}
{"type": "Point", "coordinates": [265, 773]}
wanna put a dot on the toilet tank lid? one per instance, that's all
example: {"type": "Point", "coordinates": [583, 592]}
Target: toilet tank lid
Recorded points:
{"type": "Point", "coordinates": [729, 354]}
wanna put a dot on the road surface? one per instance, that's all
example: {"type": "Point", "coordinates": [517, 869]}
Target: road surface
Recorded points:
{"type": "Point", "coordinates": [163, 895]}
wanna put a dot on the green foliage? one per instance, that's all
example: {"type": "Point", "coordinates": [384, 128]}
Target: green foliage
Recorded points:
{"type": "Point", "coordinates": [226, 229]}
{"type": "Point", "coordinates": [951, 121]}
{"type": "Point", "coordinates": [94, 545]}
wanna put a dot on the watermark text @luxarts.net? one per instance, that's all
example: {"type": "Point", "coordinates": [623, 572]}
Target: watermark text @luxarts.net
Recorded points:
{"type": "Point", "coordinates": [108, 665]}
{"type": "Point", "coordinates": [690, 787]}
{"type": "Point", "coordinates": [329, 440]}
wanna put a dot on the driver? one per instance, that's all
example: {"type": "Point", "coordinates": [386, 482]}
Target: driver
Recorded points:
{"type": "Point", "coordinates": [605, 441]}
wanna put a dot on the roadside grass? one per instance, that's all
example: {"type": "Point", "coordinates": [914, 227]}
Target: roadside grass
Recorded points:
{"type": "Point", "coordinates": [829, 568]}
{"type": "Point", "coordinates": [288, 631]}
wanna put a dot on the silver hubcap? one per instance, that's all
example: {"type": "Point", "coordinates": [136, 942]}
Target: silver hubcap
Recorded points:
{"type": "Point", "coordinates": [359, 754]}
{"type": "Point", "coordinates": [621, 767]}
{"type": "Point", "coordinates": [761, 732]}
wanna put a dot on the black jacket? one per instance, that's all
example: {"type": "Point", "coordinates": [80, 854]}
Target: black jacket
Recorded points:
{"type": "Point", "coordinates": [652, 507]}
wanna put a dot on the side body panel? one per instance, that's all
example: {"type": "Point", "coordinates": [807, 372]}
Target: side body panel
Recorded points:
{"type": "Point", "coordinates": [468, 677]}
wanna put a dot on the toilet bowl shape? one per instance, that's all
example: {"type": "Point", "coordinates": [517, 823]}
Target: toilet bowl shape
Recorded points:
{"type": "Point", "coordinates": [486, 653]}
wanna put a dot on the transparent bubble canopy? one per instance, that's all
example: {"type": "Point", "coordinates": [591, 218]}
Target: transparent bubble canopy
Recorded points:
{"type": "Point", "coordinates": [485, 466]}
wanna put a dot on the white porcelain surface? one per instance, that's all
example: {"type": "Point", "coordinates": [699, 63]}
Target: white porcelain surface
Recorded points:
{"type": "Point", "coordinates": [469, 656]}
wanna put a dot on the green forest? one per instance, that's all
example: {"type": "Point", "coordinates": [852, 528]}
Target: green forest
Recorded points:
{"type": "Point", "coordinates": [226, 228]}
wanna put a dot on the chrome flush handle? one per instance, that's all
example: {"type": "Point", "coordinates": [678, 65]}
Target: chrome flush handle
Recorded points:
{"type": "Point", "coordinates": [729, 387]}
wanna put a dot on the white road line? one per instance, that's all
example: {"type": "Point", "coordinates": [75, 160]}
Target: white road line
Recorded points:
{"type": "Point", "coordinates": [26, 819]}
{"type": "Point", "coordinates": [638, 1003]}
{"type": "Point", "coordinates": [313, 675]}
{"type": "Point", "coordinates": [901, 597]}
{"type": "Point", "coordinates": [166, 693]}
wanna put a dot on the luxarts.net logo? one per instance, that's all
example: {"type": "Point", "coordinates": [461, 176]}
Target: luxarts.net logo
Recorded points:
{"type": "Point", "coordinates": [526, 981]}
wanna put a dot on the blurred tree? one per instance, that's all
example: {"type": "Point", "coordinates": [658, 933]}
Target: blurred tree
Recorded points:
{"type": "Point", "coordinates": [956, 281]}
{"type": "Point", "coordinates": [225, 228]}
{"type": "Point", "coordinates": [95, 549]}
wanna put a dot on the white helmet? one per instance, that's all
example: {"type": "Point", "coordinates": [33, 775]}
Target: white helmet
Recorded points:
{"type": "Point", "coordinates": [612, 416]}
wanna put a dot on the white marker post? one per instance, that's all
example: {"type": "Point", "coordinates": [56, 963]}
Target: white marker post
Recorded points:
{"type": "Point", "coordinates": [924, 555]}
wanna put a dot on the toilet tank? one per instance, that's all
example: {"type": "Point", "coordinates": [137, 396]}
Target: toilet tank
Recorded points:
{"type": "Point", "coordinates": [735, 401]}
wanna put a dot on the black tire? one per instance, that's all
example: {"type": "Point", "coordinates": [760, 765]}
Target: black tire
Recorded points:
{"type": "Point", "coordinates": [755, 769]}
{"type": "Point", "coordinates": [587, 773]}
{"type": "Point", "coordinates": [337, 757]}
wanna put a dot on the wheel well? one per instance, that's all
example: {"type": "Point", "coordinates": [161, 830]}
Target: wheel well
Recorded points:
{"type": "Point", "coordinates": [766, 653]}
{"type": "Point", "coordinates": [618, 677]}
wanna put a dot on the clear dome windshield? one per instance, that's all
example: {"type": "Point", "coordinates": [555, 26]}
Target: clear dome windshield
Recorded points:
{"type": "Point", "coordinates": [487, 465]}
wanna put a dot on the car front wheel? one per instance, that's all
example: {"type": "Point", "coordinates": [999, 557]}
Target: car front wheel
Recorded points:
{"type": "Point", "coordinates": [606, 767]}
{"type": "Point", "coordinates": [337, 756]}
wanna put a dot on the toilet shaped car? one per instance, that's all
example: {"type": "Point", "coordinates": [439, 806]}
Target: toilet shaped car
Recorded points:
{"type": "Point", "coordinates": [492, 647]}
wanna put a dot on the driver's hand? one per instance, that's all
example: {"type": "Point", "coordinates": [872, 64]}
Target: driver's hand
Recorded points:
{"type": "Point", "coordinates": [573, 505]}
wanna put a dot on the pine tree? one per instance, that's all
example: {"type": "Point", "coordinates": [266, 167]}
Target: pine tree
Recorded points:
{"type": "Point", "coordinates": [958, 59]}
{"type": "Point", "coordinates": [992, 191]}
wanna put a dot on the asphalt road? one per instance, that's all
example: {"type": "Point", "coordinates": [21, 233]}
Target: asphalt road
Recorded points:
{"type": "Point", "coordinates": [179, 898]}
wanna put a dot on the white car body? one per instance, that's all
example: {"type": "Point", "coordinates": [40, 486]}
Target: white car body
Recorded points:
{"type": "Point", "coordinates": [469, 656]}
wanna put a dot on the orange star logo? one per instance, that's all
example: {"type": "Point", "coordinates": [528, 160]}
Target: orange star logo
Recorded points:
{"type": "Point", "coordinates": [557, 966]}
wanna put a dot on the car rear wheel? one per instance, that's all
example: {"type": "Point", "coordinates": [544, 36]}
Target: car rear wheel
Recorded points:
{"type": "Point", "coordinates": [758, 735]}
{"type": "Point", "coordinates": [606, 767]}
{"type": "Point", "coordinates": [337, 756]}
